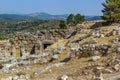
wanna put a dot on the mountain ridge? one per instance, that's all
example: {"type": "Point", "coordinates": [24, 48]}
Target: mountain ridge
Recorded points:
{"type": "Point", "coordinates": [40, 16]}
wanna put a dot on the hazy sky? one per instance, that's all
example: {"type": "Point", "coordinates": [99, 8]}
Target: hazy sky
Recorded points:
{"type": "Point", "coordinates": [85, 7]}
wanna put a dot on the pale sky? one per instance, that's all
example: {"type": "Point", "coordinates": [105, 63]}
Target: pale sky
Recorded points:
{"type": "Point", "coordinates": [85, 7]}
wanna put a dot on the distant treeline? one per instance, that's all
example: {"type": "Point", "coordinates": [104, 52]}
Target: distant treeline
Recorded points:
{"type": "Point", "coordinates": [7, 29]}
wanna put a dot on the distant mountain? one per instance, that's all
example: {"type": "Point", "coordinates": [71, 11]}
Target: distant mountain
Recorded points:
{"type": "Point", "coordinates": [14, 17]}
{"type": "Point", "coordinates": [40, 16]}
{"type": "Point", "coordinates": [91, 18]}
{"type": "Point", "coordinates": [46, 16]}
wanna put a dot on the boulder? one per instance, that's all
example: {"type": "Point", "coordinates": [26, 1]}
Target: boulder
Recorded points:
{"type": "Point", "coordinates": [15, 78]}
{"type": "Point", "coordinates": [98, 77]}
{"type": "Point", "coordinates": [116, 67]}
{"type": "Point", "coordinates": [64, 77]}
{"type": "Point", "coordinates": [13, 53]}
{"type": "Point", "coordinates": [102, 35]}
{"type": "Point", "coordinates": [56, 56]}
{"type": "Point", "coordinates": [97, 35]}
{"type": "Point", "coordinates": [95, 58]}
{"type": "Point", "coordinates": [114, 33]}
{"type": "Point", "coordinates": [107, 71]}
{"type": "Point", "coordinates": [118, 50]}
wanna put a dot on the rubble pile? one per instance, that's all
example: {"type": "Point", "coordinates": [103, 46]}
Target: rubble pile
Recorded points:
{"type": "Point", "coordinates": [88, 54]}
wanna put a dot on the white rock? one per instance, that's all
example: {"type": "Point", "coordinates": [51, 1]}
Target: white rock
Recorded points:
{"type": "Point", "coordinates": [114, 33]}
{"type": "Point", "coordinates": [97, 35]}
{"type": "Point", "coordinates": [95, 58]}
{"type": "Point", "coordinates": [15, 77]}
{"type": "Point", "coordinates": [22, 76]}
{"type": "Point", "coordinates": [56, 56]}
{"type": "Point", "coordinates": [2, 79]}
{"type": "Point", "coordinates": [93, 34]}
{"type": "Point", "coordinates": [102, 35]}
{"type": "Point", "coordinates": [44, 60]}
{"type": "Point", "coordinates": [27, 76]}
{"type": "Point", "coordinates": [118, 50]}
{"type": "Point", "coordinates": [116, 67]}
{"type": "Point", "coordinates": [99, 68]}
{"type": "Point", "coordinates": [64, 77]}
{"type": "Point", "coordinates": [108, 71]}
{"type": "Point", "coordinates": [100, 77]}
{"type": "Point", "coordinates": [96, 52]}
{"type": "Point", "coordinates": [10, 78]}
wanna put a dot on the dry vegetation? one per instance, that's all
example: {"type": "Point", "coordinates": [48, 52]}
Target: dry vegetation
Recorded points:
{"type": "Point", "coordinates": [75, 66]}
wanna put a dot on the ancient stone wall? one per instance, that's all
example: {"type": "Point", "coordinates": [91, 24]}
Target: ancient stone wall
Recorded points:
{"type": "Point", "coordinates": [32, 42]}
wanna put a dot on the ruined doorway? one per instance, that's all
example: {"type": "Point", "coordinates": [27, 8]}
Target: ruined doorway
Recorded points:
{"type": "Point", "coordinates": [32, 50]}
{"type": "Point", "coordinates": [46, 45]}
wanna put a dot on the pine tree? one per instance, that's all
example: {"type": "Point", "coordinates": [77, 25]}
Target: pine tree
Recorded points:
{"type": "Point", "coordinates": [79, 18]}
{"type": "Point", "coordinates": [111, 11]}
{"type": "Point", "coordinates": [75, 19]}
{"type": "Point", "coordinates": [70, 19]}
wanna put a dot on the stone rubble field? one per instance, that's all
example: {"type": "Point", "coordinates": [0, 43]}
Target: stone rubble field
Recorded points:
{"type": "Point", "coordinates": [88, 51]}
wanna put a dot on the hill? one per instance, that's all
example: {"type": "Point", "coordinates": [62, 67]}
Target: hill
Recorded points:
{"type": "Point", "coordinates": [7, 29]}
{"type": "Point", "coordinates": [46, 16]}
{"type": "Point", "coordinates": [92, 18]}
{"type": "Point", "coordinates": [14, 17]}
{"type": "Point", "coordinates": [40, 16]}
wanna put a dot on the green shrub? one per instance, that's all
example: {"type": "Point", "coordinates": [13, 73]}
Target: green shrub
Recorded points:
{"type": "Point", "coordinates": [87, 53]}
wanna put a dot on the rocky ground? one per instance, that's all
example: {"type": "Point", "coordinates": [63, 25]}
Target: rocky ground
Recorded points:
{"type": "Point", "coordinates": [89, 51]}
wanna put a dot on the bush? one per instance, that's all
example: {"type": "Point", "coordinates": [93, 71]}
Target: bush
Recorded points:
{"type": "Point", "coordinates": [87, 53]}
{"type": "Point", "coordinates": [62, 24]}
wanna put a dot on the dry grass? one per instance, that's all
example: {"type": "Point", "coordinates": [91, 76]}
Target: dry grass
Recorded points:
{"type": "Point", "coordinates": [75, 64]}
{"type": "Point", "coordinates": [58, 44]}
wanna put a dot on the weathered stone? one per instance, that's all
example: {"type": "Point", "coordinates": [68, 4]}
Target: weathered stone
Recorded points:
{"type": "Point", "coordinates": [56, 56]}
{"type": "Point", "coordinates": [13, 53]}
{"type": "Point", "coordinates": [15, 78]}
{"type": "Point", "coordinates": [97, 35]}
{"type": "Point", "coordinates": [118, 50]}
{"type": "Point", "coordinates": [114, 33]}
{"type": "Point", "coordinates": [64, 77]}
{"type": "Point", "coordinates": [99, 68]}
{"type": "Point", "coordinates": [116, 67]}
{"type": "Point", "coordinates": [114, 60]}
{"type": "Point", "coordinates": [102, 35]}
{"type": "Point", "coordinates": [96, 52]}
{"type": "Point", "coordinates": [107, 71]}
{"type": "Point", "coordinates": [98, 77]}
{"type": "Point", "coordinates": [24, 62]}
{"type": "Point", "coordinates": [41, 70]}
{"type": "Point", "coordinates": [44, 60]}
{"type": "Point", "coordinates": [7, 66]}
{"type": "Point", "coordinates": [22, 52]}
{"type": "Point", "coordinates": [14, 60]}
{"type": "Point", "coordinates": [95, 58]}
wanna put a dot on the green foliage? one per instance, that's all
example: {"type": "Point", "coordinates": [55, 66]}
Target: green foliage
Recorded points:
{"type": "Point", "coordinates": [75, 19]}
{"type": "Point", "coordinates": [62, 24]}
{"type": "Point", "coordinates": [79, 18]}
{"type": "Point", "coordinates": [87, 53]}
{"type": "Point", "coordinates": [70, 19]}
{"type": "Point", "coordinates": [111, 11]}
{"type": "Point", "coordinates": [8, 29]}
